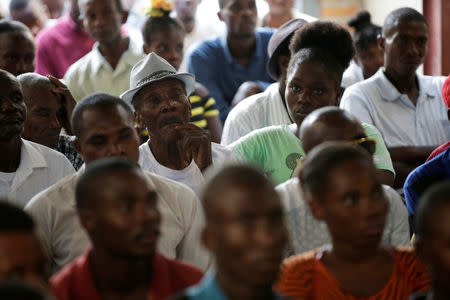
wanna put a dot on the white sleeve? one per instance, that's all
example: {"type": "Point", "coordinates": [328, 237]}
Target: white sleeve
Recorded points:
{"type": "Point", "coordinates": [355, 101]}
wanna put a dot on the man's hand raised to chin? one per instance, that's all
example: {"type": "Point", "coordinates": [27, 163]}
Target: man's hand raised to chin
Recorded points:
{"type": "Point", "coordinates": [195, 143]}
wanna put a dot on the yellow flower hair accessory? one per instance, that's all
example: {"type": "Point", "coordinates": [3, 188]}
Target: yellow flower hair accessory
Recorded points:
{"type": "Point", "coordinates": [160, 8]}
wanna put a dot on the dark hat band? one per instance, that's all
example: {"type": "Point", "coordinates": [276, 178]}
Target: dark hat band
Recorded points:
{"type": "Point", "coordinates": [154, 76]}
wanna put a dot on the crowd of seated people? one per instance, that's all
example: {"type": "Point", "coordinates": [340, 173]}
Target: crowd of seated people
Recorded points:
{"type": "Point", "coordinates": [329, 180]}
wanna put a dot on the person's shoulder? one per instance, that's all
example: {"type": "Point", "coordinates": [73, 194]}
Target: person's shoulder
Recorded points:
{"type": "Point", "coordinates": [57, 195]}
{"type": "Point", "coordinates": [51, 156]}
{"type": "Point", "coordinates": [168, 186]}
{"type": "Point", "coordinates": [407, 260]}
{"type": "Point", "coordinates": [300, 262]}
{"type": "Point", "coordinates": [220, 150]}
{"type": "Point", "coordinates": [180, 271]}
{"type": "Point", "coordinates": [80, 66]}
{"type": "Point", "coordinates": [65, 280]}
{"type": "Point", "coordinates": [263, 135]}
{"type": "Point", "coordinates": [206, 47]}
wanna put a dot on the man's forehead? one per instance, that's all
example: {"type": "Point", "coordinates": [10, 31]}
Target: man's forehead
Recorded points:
{"type": "Point", "coordinates": [110, 116]}
{"type": "Point", "coordinates": [406, 26]}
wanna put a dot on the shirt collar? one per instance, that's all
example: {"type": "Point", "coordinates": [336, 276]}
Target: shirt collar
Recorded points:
{"type": "Point", "coordinates": [259, 49]}
{"type": "Point", "coordinates": [128, 58]}
{"type": "Point", "coordinates": [390, 93]}
{"type": "Point", "coordinates": [30, 157]}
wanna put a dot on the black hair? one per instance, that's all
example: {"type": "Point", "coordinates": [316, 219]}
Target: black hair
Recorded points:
{"type": "Point", "coordinates": [366, 33]}
{"type": "Point", "coordinates": [7, 26]}
{"type": "Point", "coordinates": [13, 218]}
{"type": "Point", "coordinates": [119, 6]}
{"type": "Point", "coordinates": [404, 14]}
{"type": "Point", "coordinates": [240, 175]}
{"type": "Point", "coordinates": [16, 290]}
{"type": "Point", "coordinates": [96, 173]}
{"type": "Point", "coordinates": [329, 43]}
{"type": "Point", "coordinates": [432, 200]}
{"type": "Point", "coordinates": [321, 160]}
{"type": "Point", "coordinates": [97, 101]}
{"type": "Point", "coordinates": [18, 4]}
{"type": "Point", "coordinates": [153, 25]}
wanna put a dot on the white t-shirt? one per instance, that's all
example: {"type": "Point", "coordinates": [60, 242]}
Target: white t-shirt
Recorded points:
{"type": "Point", "coordinates": [257, 111]}
{"type": "Point", "coordinates": [64, 238]}
{"type": "Point", "coordinates": [191, 176]}
{"type": "Point", "coordinates": [39, 168]}
{"type": "Point", "coordinates": [306, 233]}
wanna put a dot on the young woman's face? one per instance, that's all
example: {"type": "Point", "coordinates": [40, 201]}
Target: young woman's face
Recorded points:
{"type": "Point", "coordinates": [309, 87]}
{"type": "Point", "coordinates": [353, 204]}
{"type": "Point", "coordinates": [168, 44]}
{"type": "Point", "coordinates": [370, 60]}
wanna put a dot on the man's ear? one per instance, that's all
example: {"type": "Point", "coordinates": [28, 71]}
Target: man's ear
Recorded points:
{"type": "Point", "coordinates": [124, 15]}
{"type": "Point", "coordinates": [381, 42]}
{"type": "Point", "coordinates": [207, 240]}
{"type": "Point", "coordinates": [219, 15]}
{"type": "Point", "coordinates": [283, 62]}
{"type": "Point", "coordinates": [87, 219]}
{"type": "Point", "coordinates": [339, 92]}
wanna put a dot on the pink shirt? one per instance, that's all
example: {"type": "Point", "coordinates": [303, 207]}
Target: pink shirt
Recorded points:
{"type": "Point", "coordinates": [59, 46]}
{"type": "Point", "coordinates": [75, 281]}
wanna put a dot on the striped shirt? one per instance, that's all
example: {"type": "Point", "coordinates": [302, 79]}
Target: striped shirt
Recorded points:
{"type": "Point", "coordinates": [202, 108]}
{"type": "Point", "coordinates": [304, 276]}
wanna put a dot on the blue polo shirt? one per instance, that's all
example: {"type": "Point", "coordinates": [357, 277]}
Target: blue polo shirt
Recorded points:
{"type": "Point", "coordinates": [423, 177]}
{"type": "Point", "coordinates": [214, 67]}
{"type": "Point", "coordinates": [209, 289]}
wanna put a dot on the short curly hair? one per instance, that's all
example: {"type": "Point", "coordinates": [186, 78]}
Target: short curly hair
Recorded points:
{"type": "Point", "coordinates": [331, 44]}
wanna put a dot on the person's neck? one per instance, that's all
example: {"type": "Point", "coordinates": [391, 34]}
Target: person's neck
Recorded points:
{"type": "Point", "coordinates": [113, 50]}
{"type": "Point", "coordinates": [242, 48]}
{"type": "Point", "coordinates": [234, 289]}
{"type": "Point", "coordinates": [404, 83]}
{"type": "Point", "coordinates": [10, 154]}
{"type": "Point", "coordinates": [114, 274]}
{"type": "Point", "coordinates": [167, 153]}
{"type": "Point", "coordinates": [343, 253]}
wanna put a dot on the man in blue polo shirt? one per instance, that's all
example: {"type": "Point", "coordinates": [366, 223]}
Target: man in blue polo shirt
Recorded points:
{"type": "Point", "coordinates": [235, 61]}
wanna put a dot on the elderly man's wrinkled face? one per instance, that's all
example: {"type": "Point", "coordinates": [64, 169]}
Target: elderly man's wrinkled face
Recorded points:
{"type": "Point", "coordinates": [12, 107]}
{"type": "Point", "coordinates": [161, 107]}
{"type": "Point", "coordinates": [43, 124]}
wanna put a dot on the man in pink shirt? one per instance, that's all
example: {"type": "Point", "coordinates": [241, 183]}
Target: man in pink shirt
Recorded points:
{"type": "Point", "coordinates": [58, 47]}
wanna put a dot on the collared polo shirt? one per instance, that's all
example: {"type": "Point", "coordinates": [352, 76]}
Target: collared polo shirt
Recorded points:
{"type": "Point", "coordinates": [39, 168]}
{"type": "Point", "coordinates": [401, 123]}
{"type": "Point", "coordinates": [76, 281]}
{"type": "Point", "coordinates": [213, 66]}
{"type": "Point", "coordinates": [93, 74]}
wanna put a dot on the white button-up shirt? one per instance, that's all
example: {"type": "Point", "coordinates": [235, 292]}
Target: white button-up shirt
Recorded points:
{"type": "Point", "coordinates": [39, 168]}
{"type": "Point", "coordinates": [401, 123]}
{"type": "Point", "coordinates": [64, 238]}
{"type": "Point", "coordinates": [93, 74]}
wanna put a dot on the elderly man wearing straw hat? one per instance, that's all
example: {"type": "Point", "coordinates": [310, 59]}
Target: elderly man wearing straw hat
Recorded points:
{"type": "Point", "coordinates": [176, 149]}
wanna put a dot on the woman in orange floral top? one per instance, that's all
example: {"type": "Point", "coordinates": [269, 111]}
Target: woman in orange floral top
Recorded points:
{"type": "Point", "coordinates": [340, 185]}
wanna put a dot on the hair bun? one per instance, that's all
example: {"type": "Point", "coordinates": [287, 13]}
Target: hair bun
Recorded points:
{"type": "Point", "coordinates": [361, 20]}
{"type": "Point", "coordinates": [160, 8]}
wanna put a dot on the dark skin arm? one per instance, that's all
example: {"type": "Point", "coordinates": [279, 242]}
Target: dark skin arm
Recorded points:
{"type": "Point", "coordinates": [67, 101]}
{"type": "Point", "coordinates": [406, 159]}
{"type": "Point", "coordinates": [194, 143]}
